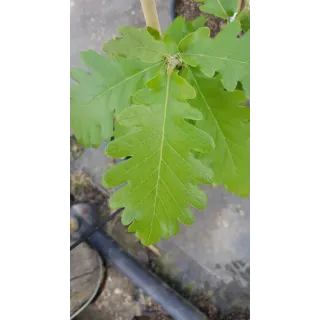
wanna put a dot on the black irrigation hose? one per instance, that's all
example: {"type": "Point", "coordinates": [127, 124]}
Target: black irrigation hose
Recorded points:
{"type": "Point", "coordinates": [175, 305]}
{"type": "Point", "coordinates": [92, 230]}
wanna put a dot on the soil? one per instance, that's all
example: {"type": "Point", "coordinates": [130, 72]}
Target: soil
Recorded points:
{"type": "Point", "coordinates": [82, 189]}
{"type": "Point", "coordinates": [189, 9]}
{"type": "Point", "coordinates": [76, 149]}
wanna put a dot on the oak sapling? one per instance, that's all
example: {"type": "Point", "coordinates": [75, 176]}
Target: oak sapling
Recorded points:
{"type": "Point", "coordinates": [174, 103]}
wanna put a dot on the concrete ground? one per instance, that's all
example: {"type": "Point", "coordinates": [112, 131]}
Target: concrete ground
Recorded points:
{"type": "Point", "coordinates": [212, 256]}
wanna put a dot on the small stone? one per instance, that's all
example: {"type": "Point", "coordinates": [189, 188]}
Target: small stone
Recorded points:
{"type": "Point", "coordinates": [225, 223]}
{"type": "Point", "coordinates": [149, 301]}
{"type": "Point", "coordinates": [117, 291]}
{"type": "Point", "coordinates": [241, 212]}
{"type": "Point", "coordinates": [133, 12]}
{"type": "Point", "coordinates": [210, 293]}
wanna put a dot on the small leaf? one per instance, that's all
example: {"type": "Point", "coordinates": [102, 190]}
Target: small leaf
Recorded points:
{"type": "Point", "coordinates": [163, 175]}
{"type": "Point", "coordinates": [197, 23]}
{"type": "Point", "coordinates": [225, 54]}
{"type": "Point", "coordinates": [179, 29]}
{"type": "Point", "coordinates": [155, 33]}
{"type": "Point", "coordinates": [136, 44]}
{"type": "Point", "coordinates": [227, 122]}
{"type": "Point", "coordinates": [244, 18]}
{"type": "Point", "coordinates": [104, 90]}
{"type": "Point", "coordinates": [221, 8]}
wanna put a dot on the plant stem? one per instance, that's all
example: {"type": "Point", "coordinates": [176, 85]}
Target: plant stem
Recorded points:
{"type": "Point", "coordinates": [150, 13]}
{"type": "Point", "coordinates": [241, 4]}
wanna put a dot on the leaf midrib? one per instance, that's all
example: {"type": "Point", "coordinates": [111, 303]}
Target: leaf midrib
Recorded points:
{"type": "Point", "coordinates": [225, 12]}
{"type": "Point", "coordinates": [161, 151]}
{"type": "Point", "coordinates": [144, 46]}
{"type": "Point", "coordinates": [219, 58]}
{"type": "Point", "coordinates": [122, 82]}
{"type": "Point", "coordinates": [214, 118]}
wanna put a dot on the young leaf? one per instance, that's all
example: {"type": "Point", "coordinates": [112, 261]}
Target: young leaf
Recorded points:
{"type": "Point", "coordinates": [155, 33]}
{"type": "Point", "coordinates": [227, 122]}
{"type": "Point", "coordinates": [181, 28]}
{"type": "Point", "coordinates": [162, 174]}
{"type": "Point", "coordinates": [104, 90]}
{"type": "Point", "coordinates": [197, 23]}
{"type": "Point", "coordinates": [136, 44]}
{"type": "Point", "coordinates": [225, 54]}
{"type": "Point", "coordinates": [221, 8]}
{"type": "Point", "coordinates": [244, 18]}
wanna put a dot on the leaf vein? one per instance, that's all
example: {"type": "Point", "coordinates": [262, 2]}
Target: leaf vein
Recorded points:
{"type": "Point", "coordinates": [214, 118]}
{"type": "Point", "coordinates": [174, 199]}
{"type": "Point", "coordinates": [122, 82]}
{"type": "Point", "coordinates": [219, 58]}
{"type": "Point", "coordinates": [161, 149]}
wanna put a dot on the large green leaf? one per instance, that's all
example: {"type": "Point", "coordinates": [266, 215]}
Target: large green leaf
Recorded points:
{"type": "Point", "coordinates": [220, 8]}
{"type": "Point", "coordinates": [225, 54]}
{"type": "Point", "coordinates": [104, 90]}
{"type": "Point", "coordinates": [228, 124]}
{"type": "Point", "coordinates": [137, 44]}
{"type": "Point", "coordinates": [163, 175]}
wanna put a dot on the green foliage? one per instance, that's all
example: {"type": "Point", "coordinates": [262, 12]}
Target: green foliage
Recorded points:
{"type": "Point", "coordinates": [220, 8]}
{"type": "Point", "coordinates": [244, 18]}
{"type": "Point", "coordinates": [227, 122]}
{"type": "Point", "coordinates": [174, 103]}
{"type": "Point", "coordinates": [162, 174]}
{"type": "Point", "coordinates": [225, 54]}
{"type": "Point", "coordinates": [136, 44]}
{"type": "Point", "coordinates": [179, 29]}
{"type": "Point", "coordinates": [103, 92]}
{"type": "Point", "coordinates": [226, 9]}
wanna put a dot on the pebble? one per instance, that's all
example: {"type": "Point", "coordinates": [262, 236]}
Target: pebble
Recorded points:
{"type": "Point", "coordinates": [117, 291]}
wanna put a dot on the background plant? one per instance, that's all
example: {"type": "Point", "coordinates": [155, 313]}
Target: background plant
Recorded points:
{"type": "Point", "coordinates": [174, 103]}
